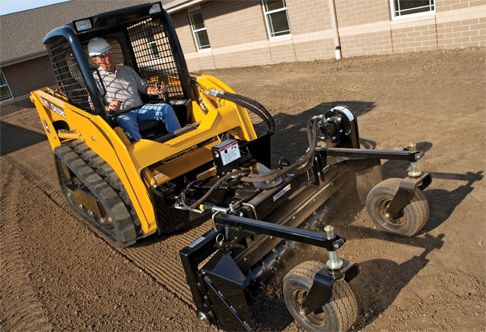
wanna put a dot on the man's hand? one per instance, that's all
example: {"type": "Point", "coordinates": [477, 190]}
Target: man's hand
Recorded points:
{"type": "Point", "coordinates": [114, 105]}
{"type": "Point", "coordinates": [155, 91]}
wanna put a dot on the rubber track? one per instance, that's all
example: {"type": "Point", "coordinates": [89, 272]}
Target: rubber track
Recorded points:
{"type": "Point", "coordinates": [104, 193]}
{"type": "Point", "coordinates": [106, 172]}
{"type": "Point", "coordinates": [159, 260]}
{"type": "Point", "coordinates": [20, 309]}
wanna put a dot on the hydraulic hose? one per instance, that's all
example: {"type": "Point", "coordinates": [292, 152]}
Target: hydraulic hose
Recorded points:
{"type": "Point", "coordinates": [256, 104]}
{"type": "Point", "coordinates": [216, 185]}
{"type": "Point", "coordinates": [251, 104]}
{"type": "Point", "coordinates": [300, 166]}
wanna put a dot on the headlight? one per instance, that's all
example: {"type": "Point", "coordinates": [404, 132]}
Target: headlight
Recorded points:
{"type": "Point", "coordinates": [83, 25]}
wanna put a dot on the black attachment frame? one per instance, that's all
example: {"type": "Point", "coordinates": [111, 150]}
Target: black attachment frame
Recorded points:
{"type": "Point", "coordinates": [219, 287]}
{"type": "Point", "coordinates": [285, 232]}
{"type": "Point", "coordinates": [371, 154]}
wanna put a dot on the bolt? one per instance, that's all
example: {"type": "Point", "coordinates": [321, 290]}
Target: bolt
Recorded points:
{"type": "Point", "coordinates": [413, 171]}
{"type": "Point", "coordinates": [329, 230]}
{"type": "Point", "coordinates": [203, 318]}
{"type": "Point", "coordinates": [334, 263]}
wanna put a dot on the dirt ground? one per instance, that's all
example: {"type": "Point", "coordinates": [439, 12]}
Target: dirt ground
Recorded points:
{"type": "Point", "coordinates": [56, 274]}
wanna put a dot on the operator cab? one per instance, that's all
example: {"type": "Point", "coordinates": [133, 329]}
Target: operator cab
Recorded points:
{"type": "Point", "coordinates": [141, 37]}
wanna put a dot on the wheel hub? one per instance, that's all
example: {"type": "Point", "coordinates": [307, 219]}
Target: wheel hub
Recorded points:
{"type": "Point", "coordinates": [318, 319]}
{"type": "Point", "coordinates": [390, 220]}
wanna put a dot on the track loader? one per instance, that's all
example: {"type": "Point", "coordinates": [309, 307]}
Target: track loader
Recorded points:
{"type": "Point", "coordinates": [216, 168]}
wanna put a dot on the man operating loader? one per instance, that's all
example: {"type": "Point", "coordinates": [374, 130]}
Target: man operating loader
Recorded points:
{"type": "Point", "coordinates": [123, 87]}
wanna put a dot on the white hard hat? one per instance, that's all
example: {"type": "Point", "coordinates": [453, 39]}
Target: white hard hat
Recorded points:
{"type": "Point", "coordinates": [98, 46]}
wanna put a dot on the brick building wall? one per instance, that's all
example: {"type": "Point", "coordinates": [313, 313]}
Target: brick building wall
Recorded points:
{"type": "Point", "coordinates": [238, 33]}
{"type": "Point", "coordinates": [462, 30]}
{"type": "Point", "coordinates": [352, 13]}
{"type": "Point", "coordinates": [38, 71]}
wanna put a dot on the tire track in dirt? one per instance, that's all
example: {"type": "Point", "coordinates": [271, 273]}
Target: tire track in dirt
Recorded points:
{"type": "Point", "coordinates": [159, 260]}
{"type": "Point", "coordinates": [20, 309]}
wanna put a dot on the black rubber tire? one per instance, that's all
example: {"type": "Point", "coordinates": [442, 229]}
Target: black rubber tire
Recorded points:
{"type": "Point", "coordinates": [415, 214]}
{"type": "Point", "coordinates": [72, 171]}
{"type": "Point", "coordinates": [339, 314]}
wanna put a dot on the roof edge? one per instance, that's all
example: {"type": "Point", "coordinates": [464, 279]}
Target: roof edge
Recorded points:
{"type": "Point", "coordinates": [28, 57]}
{"type": "Point", "coordinates": [179, 5]}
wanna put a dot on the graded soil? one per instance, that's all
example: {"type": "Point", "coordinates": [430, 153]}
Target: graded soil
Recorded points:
{"type": "Point", "coordinates": [56, 274]}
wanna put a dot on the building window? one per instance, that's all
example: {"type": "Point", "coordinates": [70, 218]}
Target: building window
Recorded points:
{"type": "Point", "coordinates": [5, 92]}
{"type": "Point", "coordinates": [154, 51]}
{"type": "Point", "coordinates": [199, 30]}
{"type": "Point", "coordinates": [408, 7]}
{"type": "Point", "coordinates": [276, 17]}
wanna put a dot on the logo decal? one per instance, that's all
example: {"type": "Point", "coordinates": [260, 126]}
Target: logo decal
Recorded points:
{"type": "Point", "coordinates": [53, 107]}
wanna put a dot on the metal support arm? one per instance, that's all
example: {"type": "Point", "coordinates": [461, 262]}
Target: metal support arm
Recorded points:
{"type": "Point", "coordinates": [321, 291]}
{"type": "Point", "coordinates": [285, 232]}
{"type": "Point", "coordinates": [371, 154]}
{"type": "Point", "coordinates": [405, 194]}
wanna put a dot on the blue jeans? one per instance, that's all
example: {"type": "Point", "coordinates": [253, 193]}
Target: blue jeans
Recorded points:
{"type": "Point", "coordinates": [149, 112]}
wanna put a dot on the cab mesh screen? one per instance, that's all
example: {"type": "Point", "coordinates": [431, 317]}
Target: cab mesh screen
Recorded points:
{"type": "Point", "coordinates": [68, 76]}
{"type": "Point", "coordinates": [154, 57]}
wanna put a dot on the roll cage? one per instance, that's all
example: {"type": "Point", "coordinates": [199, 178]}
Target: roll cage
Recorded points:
{"type": "Point", "coordinates": [142, 37]}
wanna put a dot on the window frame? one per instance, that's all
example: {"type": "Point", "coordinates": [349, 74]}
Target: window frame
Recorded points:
{"type": "Point", "coordinates": [152, 45]}
{"type": "Point", "coordinates": [8, 88]}
{"type": "Point", "coordinates": [268, 24]}
{"type": "Point", "coordinates": [195, 31]}
{"type": "Point", "coordinates": [414, 16]}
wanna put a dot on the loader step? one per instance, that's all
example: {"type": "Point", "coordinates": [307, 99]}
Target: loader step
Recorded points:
{"type": "Point", "coordinates": [179, 132]}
